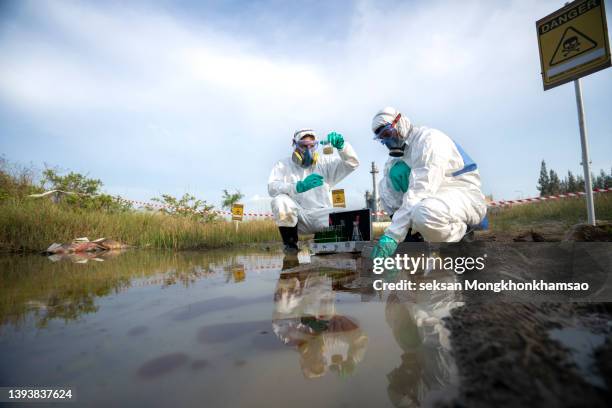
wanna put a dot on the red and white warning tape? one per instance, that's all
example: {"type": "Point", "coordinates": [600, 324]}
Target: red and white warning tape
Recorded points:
{"type": "Point", "coordinates": [500, 203]}
{"type": "Point", "coordinates": [170, 207]}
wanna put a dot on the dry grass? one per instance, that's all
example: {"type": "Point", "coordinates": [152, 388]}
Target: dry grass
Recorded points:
{"type": "Point", "coordinates": [568, 211]}
{"type": "Point", "coordinates": [32, 225]}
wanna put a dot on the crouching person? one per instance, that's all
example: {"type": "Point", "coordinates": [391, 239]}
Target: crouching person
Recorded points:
{"type": "Point", "coordinates": [431, 186]}
{"type": "Point", "coordinates": [300, 185]}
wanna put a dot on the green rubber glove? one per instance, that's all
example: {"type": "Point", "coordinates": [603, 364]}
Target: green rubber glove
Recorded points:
{"type": "Point", "coordinates": [385, 247]}
{"type": "Point", "coordinates": [310, 182]}
{"type": "Point", "coordinates": [399, 175]}
{"type": "Point", "coordinates": [336, 140]}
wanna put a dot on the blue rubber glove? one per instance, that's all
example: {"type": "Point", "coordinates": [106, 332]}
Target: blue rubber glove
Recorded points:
{"type": "Point", "coordinates": [310, 182]}
{"type": "Point", "coordinates": [385, 247]}
{"type": "Point", "coordinates": [399, 175]}
{"type": "Point", "coordinates": [336, 140]}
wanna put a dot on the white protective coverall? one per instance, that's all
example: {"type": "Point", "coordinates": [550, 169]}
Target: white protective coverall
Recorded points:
{"type": "Point", "coordinates": [309, 210]}
{"type": "Point", "coordinates": [444, 187]}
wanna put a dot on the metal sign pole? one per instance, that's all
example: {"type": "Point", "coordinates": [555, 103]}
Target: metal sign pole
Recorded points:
{"type": "Point", "coordinates": [586, 164]}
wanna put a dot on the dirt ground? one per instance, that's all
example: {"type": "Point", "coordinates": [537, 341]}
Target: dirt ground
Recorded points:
{"type": "Point", "coordinates": [550, 231]}
{"type": "Point", "coordinates": [507, 355]}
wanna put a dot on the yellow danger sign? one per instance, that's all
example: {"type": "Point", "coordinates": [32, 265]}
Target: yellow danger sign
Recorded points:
{"type": "Point", "coordinates": [338, 198]}
{"type": "Point", "coordinates": [237, 212]}
{"type": "Point", "coordinates": [573, 42]}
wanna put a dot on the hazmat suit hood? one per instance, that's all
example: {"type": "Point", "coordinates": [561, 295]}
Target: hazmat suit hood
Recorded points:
{"type": "Point", "coordinates": [301, 133]}
{"type": "Point", "coordinates": [386, 116]}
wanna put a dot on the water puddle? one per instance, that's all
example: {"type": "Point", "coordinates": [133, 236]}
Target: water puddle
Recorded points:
{"type": "Point", "coordinates": [221, 328]}
{"type": "Point", "coordinates": [582, 343]}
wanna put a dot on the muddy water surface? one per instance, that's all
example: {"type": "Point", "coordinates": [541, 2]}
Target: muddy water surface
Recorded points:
{"type": "Point", "coordinates": [217, 328]}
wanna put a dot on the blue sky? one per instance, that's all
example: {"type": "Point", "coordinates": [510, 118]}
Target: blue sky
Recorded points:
{"type": "Point", "coordinates": [174, 97]}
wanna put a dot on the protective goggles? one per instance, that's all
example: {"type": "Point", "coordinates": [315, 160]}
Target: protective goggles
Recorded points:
{"type": "Point", "coordinates": [387, 131]}
{"type": "Point", "coordinates": [306, 144]}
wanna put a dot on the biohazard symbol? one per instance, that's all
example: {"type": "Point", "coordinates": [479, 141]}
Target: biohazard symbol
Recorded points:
{"type": "Point", "coordinates": [572, 43]}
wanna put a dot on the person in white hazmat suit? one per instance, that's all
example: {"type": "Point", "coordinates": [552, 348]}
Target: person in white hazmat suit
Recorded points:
{"type": "Point", "coordinates": [430, 186]}
{"type": "Point", "coordinates": [300, 185]}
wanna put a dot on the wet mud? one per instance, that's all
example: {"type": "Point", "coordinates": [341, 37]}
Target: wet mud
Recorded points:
{"type": "Point", "coordinates": [535, 349]}
{"type": "Point", "coordinates": [506, 356]}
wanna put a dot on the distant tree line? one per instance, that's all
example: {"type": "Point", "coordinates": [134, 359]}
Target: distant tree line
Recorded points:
{"type": "Point", "coordinates": [17, 182]}
{"type": "Point", "coordinates": [550, 183]}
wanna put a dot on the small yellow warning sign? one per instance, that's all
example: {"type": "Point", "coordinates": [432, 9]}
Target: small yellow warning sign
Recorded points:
{"type": "Point", "coordinates": [338, 198]}
{"type": "Point", "coordinates": [237, 212]}
{"type": "Point", "coordinates": [573, 42]}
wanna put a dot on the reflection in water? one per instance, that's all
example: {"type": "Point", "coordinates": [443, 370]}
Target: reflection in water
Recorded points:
{"type": "Point", "coordinates": [415, 319]}
{"type": "Point", "coordinates": [305, 318]}
{"type": "Point", "coordinates": [65, 289]}
{"type": "Point", "coordinates": [238, 273]}
{"type": "Point", "coordinates": [84, 257]}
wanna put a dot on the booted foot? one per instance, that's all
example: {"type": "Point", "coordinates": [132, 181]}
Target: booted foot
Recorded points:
{"type": "Point", "coordinates": [469, 231]}
{"type": "Point", "coordinates": [291, 249]}
{"type": "Point", "coordinates": [469, 236]}
{"type": "Point", "coordinates": [290, 238]}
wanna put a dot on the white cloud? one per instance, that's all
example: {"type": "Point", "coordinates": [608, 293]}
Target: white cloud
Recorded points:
{"type": "Point", "coordinates": [195, 106]}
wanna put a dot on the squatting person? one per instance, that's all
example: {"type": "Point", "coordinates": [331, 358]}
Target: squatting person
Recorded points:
{"type": "Point", "coordinates": [430, 186]}
{"type": "Point", "coordinates": [300, 185]}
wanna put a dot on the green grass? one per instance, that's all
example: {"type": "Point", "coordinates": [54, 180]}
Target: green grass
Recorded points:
{"type": "Point", "coordinates": [566, 211]}
{"type": "Point", "coordinates": [32, 225]}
